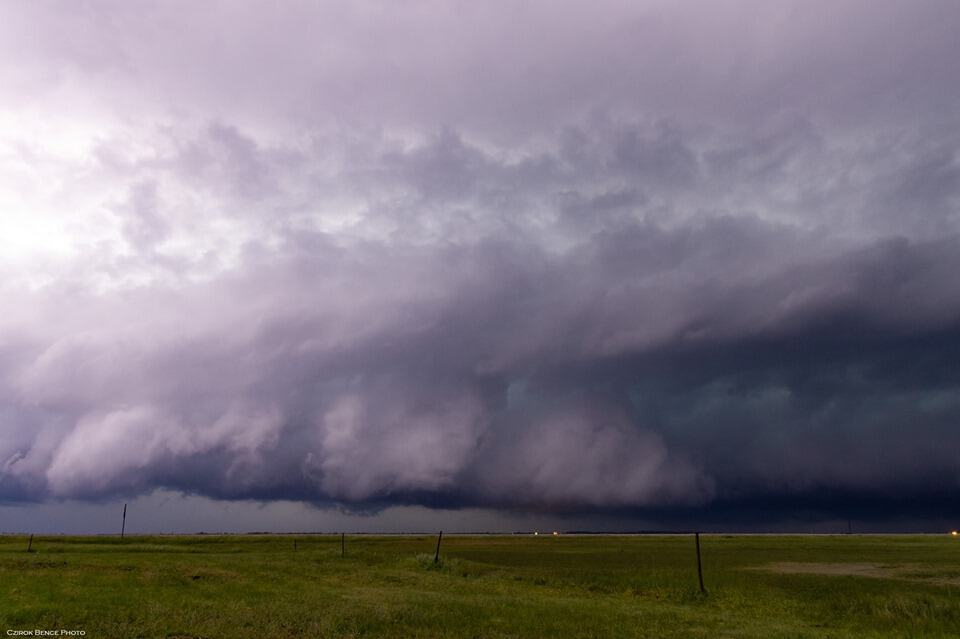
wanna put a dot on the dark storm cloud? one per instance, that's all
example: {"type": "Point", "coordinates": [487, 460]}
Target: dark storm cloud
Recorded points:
{"type": "Point", "coordinates": [657, 259]}
{"type": "Point", "coordinates": [510, 378]}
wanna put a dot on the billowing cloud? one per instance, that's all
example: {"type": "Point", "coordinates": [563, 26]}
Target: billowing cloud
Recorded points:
{"type": "Point", "coordinates": [651, 257]}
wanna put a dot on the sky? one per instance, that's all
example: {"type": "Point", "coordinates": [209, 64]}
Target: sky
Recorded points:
{"type": "Point", "coordinates": [386, 267]}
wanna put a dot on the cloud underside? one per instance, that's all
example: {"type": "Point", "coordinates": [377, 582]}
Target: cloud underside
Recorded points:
{"type": "Point", "coordinates": [510, 378]}
{"type": "Point", "coordinates": [531, 276]}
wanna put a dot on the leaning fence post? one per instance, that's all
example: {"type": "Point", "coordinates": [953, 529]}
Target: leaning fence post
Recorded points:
{"type": "Point", "coordinates": [436, 556]}
{"type": "Point", "coordinates": [123, 522]}
{"type": "Point", "coordinates": [30, 544]}
{"type": "Point", "coordinates": [699, 565]}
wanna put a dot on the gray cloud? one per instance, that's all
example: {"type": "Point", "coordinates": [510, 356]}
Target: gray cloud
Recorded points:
{"type": "Point", "coordinates": [659, 258]}
{"type": "Point", "coordinates": [510, 380]}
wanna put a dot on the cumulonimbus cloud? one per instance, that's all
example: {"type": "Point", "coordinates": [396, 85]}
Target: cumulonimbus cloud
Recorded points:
{"type": "Point", "coordinates": [564, 285]}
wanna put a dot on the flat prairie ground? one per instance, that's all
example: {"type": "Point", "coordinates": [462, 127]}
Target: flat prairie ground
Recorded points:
{"type": "Point", "coordinates": [484, 586]}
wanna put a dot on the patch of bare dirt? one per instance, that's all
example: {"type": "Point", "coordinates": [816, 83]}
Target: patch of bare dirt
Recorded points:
{"type": "Point", "coordinates": [903, 572]}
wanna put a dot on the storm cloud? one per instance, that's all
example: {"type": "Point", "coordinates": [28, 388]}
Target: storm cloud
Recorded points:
{"type": "Point", "coordinates": [632, 258]}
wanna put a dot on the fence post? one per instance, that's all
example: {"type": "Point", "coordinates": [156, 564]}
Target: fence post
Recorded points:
{"type": "Point", "coordinates": [436, 556]}
{"type": "Point", "coordinates": [699, 564]}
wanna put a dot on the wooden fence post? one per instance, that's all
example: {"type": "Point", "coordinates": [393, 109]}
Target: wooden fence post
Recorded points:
{"type": "Point", "coordinates": [699, 565]}
{"type": "Point", "coordinates": [436, 556]}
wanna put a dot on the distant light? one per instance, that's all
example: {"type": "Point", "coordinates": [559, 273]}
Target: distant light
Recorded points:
{"type": "Point", "coordinates": [536, 533]}
{"type": "Point", "coordinates": [555, 533]}
{"type": "Point", "coordinates": [954, 533]}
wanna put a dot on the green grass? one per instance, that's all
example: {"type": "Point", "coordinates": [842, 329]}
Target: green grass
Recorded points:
{"type": "Point", "coordinates": [567, 586]}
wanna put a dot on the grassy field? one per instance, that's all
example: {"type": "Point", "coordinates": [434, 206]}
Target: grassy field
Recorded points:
{"type": "Point", "coordinates": [566, 586]}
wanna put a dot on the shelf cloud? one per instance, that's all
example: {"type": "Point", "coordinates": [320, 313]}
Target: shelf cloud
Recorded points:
{"type": "Point", "coordinates": [628, 258]}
